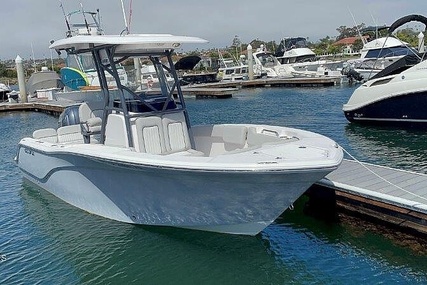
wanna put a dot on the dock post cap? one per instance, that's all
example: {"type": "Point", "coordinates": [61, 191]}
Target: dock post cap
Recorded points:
{"type": "Point", "coordinates": [249, 46]}
{"type": "Point", "coordinates": [18, 59]}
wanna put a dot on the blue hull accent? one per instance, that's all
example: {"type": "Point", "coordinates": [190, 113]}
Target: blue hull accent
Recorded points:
{"type": "Point", "coordinates": [409, 110]}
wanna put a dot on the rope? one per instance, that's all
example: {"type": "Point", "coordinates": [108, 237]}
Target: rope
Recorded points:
{"type": "Point", "coordinates": [382, 178]}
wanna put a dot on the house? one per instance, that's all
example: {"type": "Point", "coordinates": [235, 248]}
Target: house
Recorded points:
{"type": "Point", "coordinates": [348, 43]}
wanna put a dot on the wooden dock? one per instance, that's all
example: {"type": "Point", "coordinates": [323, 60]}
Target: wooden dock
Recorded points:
{"type": "Point", "coordinates": [393, 196]}
{"type": "Point", "coordinates": [277, 82]}
{"type": "Point", "coordinates": [49, 107]}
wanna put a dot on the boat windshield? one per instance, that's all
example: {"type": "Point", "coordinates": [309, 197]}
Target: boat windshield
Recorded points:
{"type": "Point", "coordinates": [390, 52]}
{"type": "Point", "coordinates": [83, 62]}
{"type": "Point", "coordinates": [292, 43]}
{"type": "Point", "coordinates": [267, 59]}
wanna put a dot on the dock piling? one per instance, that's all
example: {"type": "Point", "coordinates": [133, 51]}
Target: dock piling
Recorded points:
{"type": "Point", "coordinates": [21, 79]}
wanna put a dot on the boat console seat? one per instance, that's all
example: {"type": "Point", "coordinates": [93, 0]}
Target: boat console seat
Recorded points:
{"type": "Point", "coordinates": [166, 134]}
{"type": "Point", "coordinates": [175, 132]}
{"type": "Point", "coordinates": [90, 122]}
{"type": "Point", "coordinates": [115, 131]}
{"type": "Point", "coordinates": [150, 136]}
{"type": "Point", "coordinates": [71, 133]}
{"type": "Point", "coordinates": [47, 135]}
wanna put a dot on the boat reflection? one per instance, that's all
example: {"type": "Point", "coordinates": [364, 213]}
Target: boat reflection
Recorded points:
{"type": "Point", "coordinates": [100, 251]}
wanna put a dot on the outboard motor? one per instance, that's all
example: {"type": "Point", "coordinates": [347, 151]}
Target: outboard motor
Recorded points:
{"type": "Point", "coordinates": [70, 116]}
{"type": "Point", "coordinates": [351, 74]}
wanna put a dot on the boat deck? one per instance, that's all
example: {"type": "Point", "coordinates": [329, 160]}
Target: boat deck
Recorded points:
{"type": "Point", "coordinates": [389, 194]}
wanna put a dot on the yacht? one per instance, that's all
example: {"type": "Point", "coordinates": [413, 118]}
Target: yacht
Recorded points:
{"type": "Point", "coordinates": [302, 61]}
{"type": "Point", "coordinates": [397, 96]}
{"type": "Point", "coordinates": [139, 160]}
{"type": "Point", "coordinates": [376, 55]}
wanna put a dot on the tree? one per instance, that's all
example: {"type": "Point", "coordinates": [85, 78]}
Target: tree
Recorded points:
{"type": "Point", "coordinates": [346, 32]}
{"type": "Point", "coordinates": [408, 35]}
{"type": "Point", "coordinates": [357, 45]}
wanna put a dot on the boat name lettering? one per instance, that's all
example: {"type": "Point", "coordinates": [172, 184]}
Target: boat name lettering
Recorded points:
{"type": "Point", "coordinates": [28, 151]}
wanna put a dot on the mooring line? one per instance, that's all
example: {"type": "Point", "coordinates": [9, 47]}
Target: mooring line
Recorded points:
{"type": "Point", "coordinates": [382, 178]}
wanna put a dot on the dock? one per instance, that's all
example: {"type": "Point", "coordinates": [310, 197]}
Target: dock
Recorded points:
{"type": "Point", "coordinates": [277, 82]}
{"type": "Point", "coordinates": [49, 107]}
{"type": "Point", "coordinates": [392, 196]}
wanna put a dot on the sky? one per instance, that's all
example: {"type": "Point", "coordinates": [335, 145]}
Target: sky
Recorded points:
{"type": "Point", "coordinates": [27, 26]}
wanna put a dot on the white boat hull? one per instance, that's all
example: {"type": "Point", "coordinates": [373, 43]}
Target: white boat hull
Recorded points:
{"type": "Point", "coordinates": [238, 202]}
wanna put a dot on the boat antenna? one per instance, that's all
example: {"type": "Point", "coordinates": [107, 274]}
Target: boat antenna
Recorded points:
{"type": "Point", "coordinates": [84, 17]}
{"type": "Point", "coordinates": [126, 30]}
{"type": "Point", "coordinates": [66, 19]}
{"type": "Point", "coordinates": [130, 14]}
{"type": "Point", "coordinates": [376, 25]}
{"type": "Point", "coordinates": [358, 31]}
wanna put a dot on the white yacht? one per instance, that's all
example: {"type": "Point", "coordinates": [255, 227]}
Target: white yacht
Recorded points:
{"type": "Point", "coordinates": [378, 54]}
{"type": "Point", "coordinates": [138, 159]}
{"type": "Point", "coordinates": [399, 97]}
{"type": "Point", "coordinates": [294, 53]}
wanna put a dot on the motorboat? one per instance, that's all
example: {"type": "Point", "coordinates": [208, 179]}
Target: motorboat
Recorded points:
{"type": "Point", "coordinates": [266, 63]}
{"type": "Point", "coordinates": [376, 55]}
{"type": "Point", "coordinates": [398, 99]}
{"type": "Point", "coordinates": [294, 53]}
{"type": "Point", "coordinates": [4, 90]}
{"type": "Point", "coordinates": [232, 70]}
{"type": "Point", "coordinates": [137, 159]}
{"type": "Point", "coordinates": [40, 82]}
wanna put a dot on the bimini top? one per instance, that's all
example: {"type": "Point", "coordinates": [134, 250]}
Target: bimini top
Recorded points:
{"type": "Point", "coordinates": [134, 43]}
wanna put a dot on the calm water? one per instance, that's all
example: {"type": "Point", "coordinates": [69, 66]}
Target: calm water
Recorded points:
{"type": "Point", "coordinates": [45, 241]}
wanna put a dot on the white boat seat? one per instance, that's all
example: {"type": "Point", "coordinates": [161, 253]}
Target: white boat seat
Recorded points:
{"type": "Point", "coordinates": [175, 132]}
{"type": "Point", "coordinates": [89, 120]}
{"type": "Point", "coordinates": [48, 135]}
{"type": "Point", "coordinates": [70, 133]}
{"type": "Point", "coordinates": [89, 110]}
{"type": "Point", "coordinates": [234, 136]}
{"type": "Point", "coordinates": [150, 136]}
{"type": "Point", "coordinates": [115, 131]}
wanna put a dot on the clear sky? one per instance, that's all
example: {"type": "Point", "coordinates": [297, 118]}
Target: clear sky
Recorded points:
{"type": "Point", "coordinates": [28, 25]}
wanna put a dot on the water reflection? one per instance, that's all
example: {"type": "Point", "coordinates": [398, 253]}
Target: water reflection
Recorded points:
{"type": "Point", "coordinates": [331, 253]}
{"type": "Point", "coordinates": [399, 148]}
{"type": "Point", "coordinates": [100, 251]}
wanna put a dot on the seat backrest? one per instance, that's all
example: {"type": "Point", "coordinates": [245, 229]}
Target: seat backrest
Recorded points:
{"type": "Point", "coordinates": [115, 131]}
{"type": "Point", "coordinates": [150, 135]}
{"type": "Point", "coordinates": [235, 135]}
{"type": "Point", "coordinates": [89, 110]}
{"type": "Point", "coordinates": [71, 133]}
{"type": "Point", "coordinates": [48, 135]}
{"type": "Point", "coordinates": [175, 132]}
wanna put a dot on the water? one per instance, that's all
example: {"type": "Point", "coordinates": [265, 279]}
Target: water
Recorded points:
{"type": "Point", "coordinates": [46, 241]}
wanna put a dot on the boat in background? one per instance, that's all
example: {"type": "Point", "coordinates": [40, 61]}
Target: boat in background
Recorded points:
{"type": "Point", "coordinates": [44, 83]}
{"type": "Point", "coordinates": [79, 76]}
{"type": "Point", "coordinates": [376, 55]}
{"type": "Point", "coordinates": [398, 95]}
{"type": "Point", "coordinates": [294, 53]}
{"type": "Point", "coordinates": [4, 90]}
{"type": "Point", "coordinates": [139, 160]}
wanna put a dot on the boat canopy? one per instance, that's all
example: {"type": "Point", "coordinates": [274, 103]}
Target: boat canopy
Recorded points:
{"type": "Point", "coordinates": [133, 43]}
{"type": "Point", "coordinates": [407, 19]}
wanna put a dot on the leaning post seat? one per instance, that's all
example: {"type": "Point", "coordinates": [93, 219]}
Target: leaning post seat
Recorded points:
{"type": "Point", "coordinates": [90, 121]}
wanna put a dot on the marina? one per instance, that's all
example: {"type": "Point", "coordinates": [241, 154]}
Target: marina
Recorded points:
{"type": "Point", "coordinates": [131, 161]}
{"type": "Point", "coordinates": [46, 230]}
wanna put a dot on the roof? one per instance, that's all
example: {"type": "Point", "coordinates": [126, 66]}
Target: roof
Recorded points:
{"type": "Point", "coordinates": [348, 41]}
{"type": "Point", "coordinates": [126, 43]}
